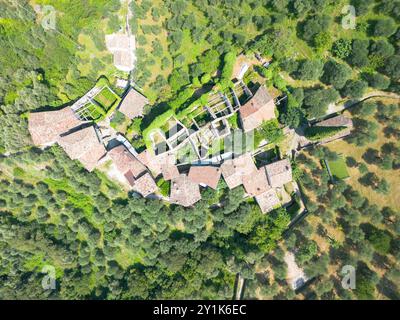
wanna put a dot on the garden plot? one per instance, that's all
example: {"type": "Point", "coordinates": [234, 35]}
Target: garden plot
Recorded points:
{"type": "Point", "coordinates": [105, 98]}
{"type": "Point", "coordinates": [220, 105]}
{"type": "Point", "coordinates": [337, 169]}
{"type": "Point", "coordinates": [90, 111]}
{"type": "Point", "coordinates": [97, 103]}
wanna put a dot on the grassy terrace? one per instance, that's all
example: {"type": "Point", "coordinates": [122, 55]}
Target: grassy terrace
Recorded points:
{"type": "Point", "coordinates": [338, 169]}
{"type": "Point", "coordinates": [104, 103]}
{"type": "Point", "coordinates": [106, 98]}
{"type": "Point", "coordinates": [347, 149]}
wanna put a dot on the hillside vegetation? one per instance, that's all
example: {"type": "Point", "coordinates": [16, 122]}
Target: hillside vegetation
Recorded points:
{"type": "Point", "coordinates": [106, 244]}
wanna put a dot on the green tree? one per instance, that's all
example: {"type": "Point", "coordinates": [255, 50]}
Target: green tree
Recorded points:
{"type": "Point", "coordinates": [336, 74]}
{"type": "Point", "coordinates": [316, 101]}
{"type": "Point", "coordinates": [354, 89]}
{"type": "Point", "coordinates": [359, 53]}
{"type": "Point", "coordinates": [271, 131]}
{"type": "Point", "coordinates": [322, 41]}
{"type": "Point", "coordinates": [392, 67]}
{"type": "Point", "coordinates": [377, 81]}
{"type": "Point", "coordinates": [309, 70]}
{"type": "Point", "coordinates": [384, 27]}
{"type": "Point", "coordinates": [380, 239]}
{"type": "Point", "coordinates": [341, 48]}
{"type": "Point", "coordinates": [178, 79]}
{"type": "Point", "coordinates": [314, 25]}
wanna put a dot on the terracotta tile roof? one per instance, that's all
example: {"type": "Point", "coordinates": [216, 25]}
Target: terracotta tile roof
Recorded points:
{"type": "Point", "coordinates": [259, 108]}
{"type": "Point", "coordinates": [46, 127]}
{"type": "Point", "coordinates": [233, 170]}
{"type": "Point", "coordinates": [169, 172]}
{"type": "Point", "coordinates": [267, 200]}
{"type": "Point", "coordinates": [126, 162]}
{"type": "Point", "coordinates": [123, 60]}
{"type": "Point", "coordinates": [129, 177]}
{"type": "Point", "coordinates": [83, 145]}
{"type": "Point", "coordinates": [167, 163]}
{"type": "Point", "coordinates": [184, 192]}
{"type": "Point", "coordinates": [256, 183]}
{"type": "Point", "coordinates": [338, 121]}
{"type": "Point", "coordinates": [205, 175]}
{"type": "Point", "coordinates": [133, 103]}
{"type": "Point", "coordinates": [279, 173]}
{"type": "Point", "coordinates": [145, 185]}
{"type": "Point", "coordinates": [160, 164]}
{"type": "Point", "coordinates": [150, 161]}
{"type": "Point", "coordinates": [122, 46]}
{"type": "Point", "coordinates": [117, 41]}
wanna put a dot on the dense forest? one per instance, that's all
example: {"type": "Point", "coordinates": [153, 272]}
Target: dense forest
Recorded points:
{"type": "Point", "coordinates": [106, 244]}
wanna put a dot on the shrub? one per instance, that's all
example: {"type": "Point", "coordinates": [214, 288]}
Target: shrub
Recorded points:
{"type": "Point", "coordinates": [351, 162]}
{"type": "Point", "coordinates": [289, 65]}
{"type": "Point", "coordinates": [341, 48]}
{"type": "Point", "coordinates": [365, 288]}
{"type": "Point", "coordinates": [181, 98]}
{"type": "Point", "coordinates": [380, 240]}
{"type": "Point", "coordinates": [227, 70]}
{"type": "Point", "coordinates": [164, 187]}
{"type": "Point", "coordinates": [317, 133]}
{"type": "Point", "coordinates": [322, 41]}
{"type": "Point", "coordinates": [271, 131]}
{"type": "Point", "coordinates": [156, 123]}
{"type": "Point", "coordinates": [368, 108]}
{"type": "Point", "coordinates": [205, 78]}
{"type": "Point", "coordinates": [118, 118]}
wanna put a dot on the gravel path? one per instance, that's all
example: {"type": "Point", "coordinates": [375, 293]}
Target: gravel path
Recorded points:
{"type": "Point", "coordinates": [295, 275]}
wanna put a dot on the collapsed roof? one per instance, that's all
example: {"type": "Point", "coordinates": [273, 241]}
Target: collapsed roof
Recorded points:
{"type": "Point", "coordinates": [150, 161]}
{"type": "Point", "coordinates": [122, 46]}
{"type": "Point", "coordinates": [145, 185]}
{"type": "Point", "coordinates": [168, 168]}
